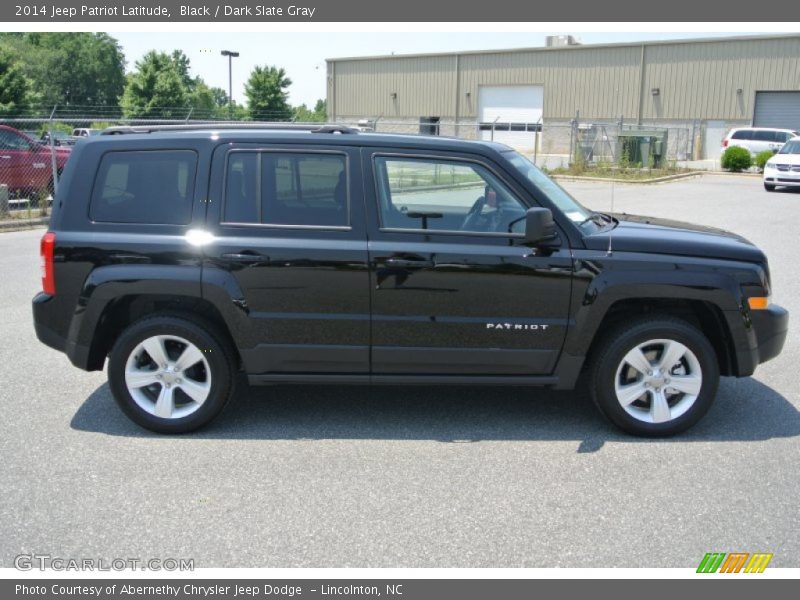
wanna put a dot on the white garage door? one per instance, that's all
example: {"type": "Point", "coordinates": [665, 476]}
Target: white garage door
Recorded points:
{"type": "Point", "coordinates": [777, 109]}
{"type": "Point", "coordinates": [511, 113]}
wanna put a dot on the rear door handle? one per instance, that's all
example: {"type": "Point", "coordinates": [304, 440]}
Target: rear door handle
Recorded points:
{"type": "Point", "coordinates": [245, 257]}
{"type": "Point", "coordinates": [409, 262]}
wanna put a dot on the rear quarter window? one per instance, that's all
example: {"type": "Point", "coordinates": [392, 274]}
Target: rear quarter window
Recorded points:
{"type": "Point", "coordinates": [742, 134]}
{"type": "Point", "coordinates": [144, 186]}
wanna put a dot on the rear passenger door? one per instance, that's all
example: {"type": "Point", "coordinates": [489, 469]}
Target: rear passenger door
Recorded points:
{"type": "Point", "coordinates": [290, 250]}
{"type": "Point", "coordinates": [765, 139]}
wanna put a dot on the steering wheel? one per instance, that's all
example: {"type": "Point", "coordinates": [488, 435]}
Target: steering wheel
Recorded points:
{"type": "Point", "coordinates": [474, 214]}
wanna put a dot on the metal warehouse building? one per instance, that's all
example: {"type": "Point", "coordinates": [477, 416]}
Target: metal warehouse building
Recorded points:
{"type": "Point", "coordinates": [703, 86]}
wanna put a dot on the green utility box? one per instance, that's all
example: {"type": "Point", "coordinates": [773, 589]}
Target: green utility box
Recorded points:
{"type": "Point", "coordinates": [643, 147]}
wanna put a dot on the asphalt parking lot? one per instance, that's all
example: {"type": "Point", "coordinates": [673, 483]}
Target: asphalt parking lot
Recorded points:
{"type": "Point", "coordinates": [408, 477]}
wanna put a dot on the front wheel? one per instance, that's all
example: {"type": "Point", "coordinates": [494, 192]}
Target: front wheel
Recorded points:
{"type": "Point", "coordinates": [655, 376]}
{"type": "Point", "coordinates": [169, 374]}
{"type": "Point", "coordinates": [769, 187]}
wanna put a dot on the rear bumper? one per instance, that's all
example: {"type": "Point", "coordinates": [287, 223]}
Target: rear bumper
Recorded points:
{"type": "Point", "coordinates": [44, 323]}
{"type": "Point", "coordinates": [766, 332]}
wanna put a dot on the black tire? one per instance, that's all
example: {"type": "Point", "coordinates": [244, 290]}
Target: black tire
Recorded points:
{"type": "Point", "coordinates": [769, 187]}
{"type": "Point", "coordinates": [609, 355]}
{"type": "Point", "coordinates": [216, 351]}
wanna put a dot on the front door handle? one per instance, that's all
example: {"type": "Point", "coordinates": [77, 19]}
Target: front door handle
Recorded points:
{"type": "Point", "coordinates": [404, 263]}
{"type": "Point", "coordinates": [245, 257]}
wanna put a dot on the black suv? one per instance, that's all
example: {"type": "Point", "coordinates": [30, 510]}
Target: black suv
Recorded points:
{"type": "Point", "coordinates": [331, 256]}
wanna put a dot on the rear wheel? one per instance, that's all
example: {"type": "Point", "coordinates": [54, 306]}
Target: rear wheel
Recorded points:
{"type": "Point", "coordinates": [769, 187]}
{"type": "Point", "coordinates": [170, 374]}
{"type": "Point", "coordinates": [655, 377]}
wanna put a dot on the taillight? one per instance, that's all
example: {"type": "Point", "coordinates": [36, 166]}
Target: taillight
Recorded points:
{"type": "Point", "coordinates": [724, 143]}
{"type": "Point", "coordinates": [46, 251]}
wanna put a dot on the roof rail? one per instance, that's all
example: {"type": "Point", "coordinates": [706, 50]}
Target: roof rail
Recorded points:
{"type": "Point", "coordinates": [323, 128]}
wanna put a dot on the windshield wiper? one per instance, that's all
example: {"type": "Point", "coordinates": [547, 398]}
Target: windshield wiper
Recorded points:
{"type": "Point", "coordinates": [593, 218]}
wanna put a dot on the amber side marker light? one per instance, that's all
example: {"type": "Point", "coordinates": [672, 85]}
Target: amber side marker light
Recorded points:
{"type": "Point", "coordinates": [758, 302]}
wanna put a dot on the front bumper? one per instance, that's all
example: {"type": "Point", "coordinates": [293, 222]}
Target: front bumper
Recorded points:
{"type": "Point", "coordinates": [763, 338]}
{"type": "Point", "coordinates": [771, 327]}
{"type": "Point", "coordinates": [782, 178]}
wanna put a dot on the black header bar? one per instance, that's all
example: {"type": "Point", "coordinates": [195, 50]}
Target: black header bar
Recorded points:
{"type": "Point", "coordinates": [472, 11]}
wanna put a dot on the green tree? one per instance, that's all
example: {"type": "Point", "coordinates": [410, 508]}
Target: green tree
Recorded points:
{"type": "Point", "coordinates": [183, 66]}
{"type": "Point", "coordinates": [220, 97]}
{"type": "Point", "coordinates": [70, 67]}
{"type": "Point", "coordinates": [14, 87]}
{"type": "Point", "coordinates": [267, 98]}
{"type": "Point", "coordinates": [157, 89]}
{"type": "Point", "coordinates": [303, 114]}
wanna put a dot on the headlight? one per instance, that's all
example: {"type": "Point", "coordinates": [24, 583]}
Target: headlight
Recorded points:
{"type": "Point", "coordinates": [769, 165]}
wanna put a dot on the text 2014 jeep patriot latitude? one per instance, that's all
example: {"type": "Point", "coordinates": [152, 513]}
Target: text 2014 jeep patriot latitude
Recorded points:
{"type": "Point", "coordinates": [330, 256]}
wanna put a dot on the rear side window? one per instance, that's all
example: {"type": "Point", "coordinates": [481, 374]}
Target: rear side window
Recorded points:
{"type": "Point", "coordinates": [286, 189]}
{"type": "Point", "coordinates": [152, 186]}
{"type": "Point", "coordinates": [763, 135]}
{"type": "Point", "coordinates": [742, 134]}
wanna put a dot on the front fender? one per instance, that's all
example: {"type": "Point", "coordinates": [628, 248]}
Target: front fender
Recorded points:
{"type": "Point", "coordinates": [601, 282]}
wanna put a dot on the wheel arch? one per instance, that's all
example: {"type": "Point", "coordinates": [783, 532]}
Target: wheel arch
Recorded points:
{"type": "Point", "coordinates": [123, 311]}
{"type": "Point", "coordinates": [702, 314]}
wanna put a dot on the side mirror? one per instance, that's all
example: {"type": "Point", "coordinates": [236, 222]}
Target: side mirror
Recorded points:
{"type": "Point", "coordinates": [539, 225]}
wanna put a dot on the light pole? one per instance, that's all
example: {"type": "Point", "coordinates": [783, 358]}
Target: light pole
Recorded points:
{"type": "Point", "coordinates": [231, 55]}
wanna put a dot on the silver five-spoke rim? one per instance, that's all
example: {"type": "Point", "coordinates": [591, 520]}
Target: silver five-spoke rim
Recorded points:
{"type": "Point", "coordinates": [658, 381]}
{"type": "Point", "coordinates": [168, 376]}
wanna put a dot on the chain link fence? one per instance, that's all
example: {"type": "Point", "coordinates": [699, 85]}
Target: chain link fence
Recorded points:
{"type": "Point", "coordinates": [560, 143]}
{"type": "Point", "coordinates": [35, 147]}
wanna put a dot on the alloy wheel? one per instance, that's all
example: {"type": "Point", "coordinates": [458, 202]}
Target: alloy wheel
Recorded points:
{"type": "Point", "coordinates": [168, 376]}
{"type": "Point", "coordinates": [657, 381]}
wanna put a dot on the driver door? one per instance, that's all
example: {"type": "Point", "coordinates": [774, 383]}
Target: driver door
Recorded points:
{"type": "Point", "coordinates": [453, 291]}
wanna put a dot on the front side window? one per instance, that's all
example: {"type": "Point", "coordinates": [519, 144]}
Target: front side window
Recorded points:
{"type": "Point", "coordinates": [153, 186]}
{"type": "Point", "coordinates": [442, 195]}
{"type": "Point", "coordinates": [286, 188]}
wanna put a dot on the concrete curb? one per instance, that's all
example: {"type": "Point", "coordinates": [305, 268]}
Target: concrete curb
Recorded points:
{"type": "Point", "coordinates": [21, 224]}
{"type": "Point", "coordinates": [729, 174]}
{"type": "Point", "coordinates": [664, 179]}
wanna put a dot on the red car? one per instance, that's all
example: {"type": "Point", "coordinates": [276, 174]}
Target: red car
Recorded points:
{"type": "Point", "coordinates": [25, 164]}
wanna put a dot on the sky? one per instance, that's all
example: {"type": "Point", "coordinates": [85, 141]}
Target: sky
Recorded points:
{"type": "Point", "coordinates": [303, 55]}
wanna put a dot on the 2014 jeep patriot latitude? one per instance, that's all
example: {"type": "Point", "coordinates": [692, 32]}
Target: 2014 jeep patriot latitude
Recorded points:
{"type": "Point", "coordinates": [332, 256]}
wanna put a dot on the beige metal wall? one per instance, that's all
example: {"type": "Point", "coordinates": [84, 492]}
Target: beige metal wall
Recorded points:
{"type": "Point", "coordinates": [425, 86]}
{"type": "Point", "coordinates": [701, 80]}
{"type": "Point", "coordinates": [696, 80]}
{"type": "Point", "coordinates": [599, 83]}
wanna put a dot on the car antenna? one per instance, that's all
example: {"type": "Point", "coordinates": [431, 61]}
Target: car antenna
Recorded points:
{"type": "Point", "coordinates": [611, 231]}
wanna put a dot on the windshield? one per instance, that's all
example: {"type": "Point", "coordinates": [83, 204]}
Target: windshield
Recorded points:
{"type": "Point", "coordinates": [790, 147]}
{"type": "Point", "coordinates": [557, 195]}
